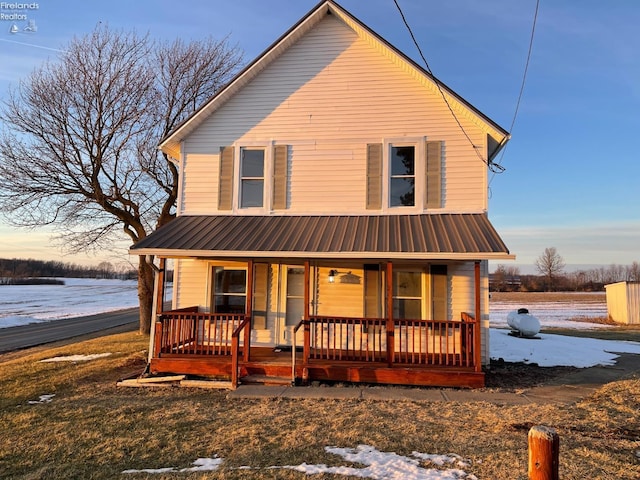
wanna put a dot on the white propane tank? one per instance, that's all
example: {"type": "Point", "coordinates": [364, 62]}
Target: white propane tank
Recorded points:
{"type": "Point", "coordinates": [523, 323]}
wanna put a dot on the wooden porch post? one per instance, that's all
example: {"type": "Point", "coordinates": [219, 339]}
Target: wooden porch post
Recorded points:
{"type": "Point", "coordinates": [155, 332]}
{"type": "Point", "coordinates": [249, 311]}
{"type": "Point", "coordinates": [477, 344]}
{"type": "Point", "coordinates": [390, 325]}
{"type": "Point", "coordinates": [307, 302]}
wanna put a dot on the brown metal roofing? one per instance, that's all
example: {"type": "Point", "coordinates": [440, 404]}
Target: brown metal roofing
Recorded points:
{"type": "Point", "coordinates": [324, 236]}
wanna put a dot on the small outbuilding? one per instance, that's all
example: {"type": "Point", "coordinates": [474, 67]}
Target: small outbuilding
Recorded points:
{"type": "Point", "coordinates": [623, 302]}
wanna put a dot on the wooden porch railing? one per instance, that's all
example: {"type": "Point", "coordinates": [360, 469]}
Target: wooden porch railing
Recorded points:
{"type": "Point", "coordinates": [189, 332]}
{"type": "Point", "coordinates": [235, 348]}
{"type": "Point", "coordinates": [337, 339]}
{"type": "Point", "coordinates": [415, 342]}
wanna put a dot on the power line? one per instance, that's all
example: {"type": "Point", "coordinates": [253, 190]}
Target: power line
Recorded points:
{"type": "Point", "coordinates": [524, 78]}
{"type": "Point", "coordinates": [493, 167]}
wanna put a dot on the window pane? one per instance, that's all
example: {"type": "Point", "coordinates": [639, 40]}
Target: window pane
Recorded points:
{"type": "Point", "coordinates": [402, 192]}
{"type": "Point", "coordinates": [295, 282]}
{"type": "Point", "coordinates": [407, 284]}
{"type": "Point", "coordinates": [229, 304]}
{"type": "Point", "coordinates": [407, 308]}
{"type": "Point", "coordinates": [252, 193]}
{"type": "Point", "coordinates": [230, 281]}
{"type": "Point", "coordinates": [252, 163]}
{"type": "Point", "coordinates": [402, 160]}
{"type": "Point", "coordinates": [295, 310]}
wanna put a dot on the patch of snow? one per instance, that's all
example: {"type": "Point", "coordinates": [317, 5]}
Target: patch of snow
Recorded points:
{"type": "Point", "coordinates": [204, 465]}
{"type": "Point", "coordinates": [152, 470]}
{"type": "Point", "coordinates": [557, 350]}
{"type": "Point", "coordinates": [76, 358]}
{"type": "Point", "coordinates": [383, 465]}
{"type": "Point", "coordinates": [442, 460]}
{"type": "Point", "coordinates": [200, 465]}
{"type": "Point", "coordinates": [43, 399]}
{"type": "Point", "coordinates": [379, 465]}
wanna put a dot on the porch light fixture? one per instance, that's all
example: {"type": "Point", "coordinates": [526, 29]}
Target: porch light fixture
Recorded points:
{"type": "Point", "coordinates": [334, 273]}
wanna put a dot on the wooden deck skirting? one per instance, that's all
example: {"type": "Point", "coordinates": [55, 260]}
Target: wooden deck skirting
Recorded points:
{"type": "Point", "coordinates": [422, 352]}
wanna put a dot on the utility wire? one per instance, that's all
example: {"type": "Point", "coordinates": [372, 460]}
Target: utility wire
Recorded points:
{"type": "Point", "coordinates": [494, 168]}
{"type": "Point", "coordinates": [524, 78]}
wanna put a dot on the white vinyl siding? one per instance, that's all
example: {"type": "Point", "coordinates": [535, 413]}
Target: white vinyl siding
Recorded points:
{"type": "Point", "coordinates": [201, 196]}
{"type": "Point", "coordinates": [327, 97]}
{"type": "Point", "coordinates": [463, 297]}
{"type": "Point", "coordinates": [190, 283]}
{"type": "Point", "coordinates": [344, 297]}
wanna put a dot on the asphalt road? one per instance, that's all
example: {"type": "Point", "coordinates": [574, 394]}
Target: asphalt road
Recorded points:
{"type": "Point", "coordinates": [33, 334]}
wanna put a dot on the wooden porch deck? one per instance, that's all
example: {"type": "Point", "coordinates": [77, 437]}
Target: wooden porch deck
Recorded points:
{"type": "Point", "coordinates": [279, 365]}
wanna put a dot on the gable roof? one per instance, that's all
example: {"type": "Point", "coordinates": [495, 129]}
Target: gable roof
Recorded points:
{"type": "Point", "coordinates": [171, 143]}
{"type": "Point", "coordinates": [427, 236]}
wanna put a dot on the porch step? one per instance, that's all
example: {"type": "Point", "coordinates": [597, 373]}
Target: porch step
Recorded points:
{"type": "Point", "coordinates": [265, 380]}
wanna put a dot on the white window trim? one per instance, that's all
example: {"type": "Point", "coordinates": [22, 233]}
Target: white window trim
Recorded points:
{"type": "Point", "coordinates": [267, 146]}
{"type": "Point", "coordinates": [419, 171]}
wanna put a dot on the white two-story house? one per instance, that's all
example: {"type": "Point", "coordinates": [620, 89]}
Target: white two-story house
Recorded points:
{"type": "Point", "coordinates": [332, 220]}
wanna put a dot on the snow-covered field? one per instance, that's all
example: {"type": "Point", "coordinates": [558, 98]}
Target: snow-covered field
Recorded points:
{"type": "Point", "coordinates": [23, 304]}
{"type": "Point", "coordinates": [553, 314]}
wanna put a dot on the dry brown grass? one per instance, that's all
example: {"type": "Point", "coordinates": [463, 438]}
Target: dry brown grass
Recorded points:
{"type": "Point", "coordinates": [93, 429]}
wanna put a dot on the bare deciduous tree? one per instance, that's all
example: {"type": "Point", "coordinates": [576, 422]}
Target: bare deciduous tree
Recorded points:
{"type": "Point", "coordinates": [550, 264]}
{"type": "Point", "coordinates": [79, 147]}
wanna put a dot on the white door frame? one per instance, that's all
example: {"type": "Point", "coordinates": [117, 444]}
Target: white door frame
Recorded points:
{"type": "Point", "coordinates": [284, 328]}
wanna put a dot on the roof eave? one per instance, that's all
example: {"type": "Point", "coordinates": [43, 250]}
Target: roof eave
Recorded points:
{"type": "Point", "coordinates": [181, 253]}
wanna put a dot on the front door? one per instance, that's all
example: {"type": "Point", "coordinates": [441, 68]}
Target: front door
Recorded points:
{"type": "Point", "coordinates": [291, 304]}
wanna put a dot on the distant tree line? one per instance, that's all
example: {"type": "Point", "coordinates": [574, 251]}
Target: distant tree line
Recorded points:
{"type": "Point", "coordinates": [509, 279]}
{"type": "Point", "coordinates": [12, 270]}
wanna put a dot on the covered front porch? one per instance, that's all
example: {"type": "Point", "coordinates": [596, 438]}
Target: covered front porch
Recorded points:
{"type": "Point", "coordinates": [382, 349]}
{"type": "Point", "coordinates": [393, 299]}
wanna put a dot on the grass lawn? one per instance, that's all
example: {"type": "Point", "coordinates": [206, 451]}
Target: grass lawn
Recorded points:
{"type": "Point", "coordinates": [92, 429]}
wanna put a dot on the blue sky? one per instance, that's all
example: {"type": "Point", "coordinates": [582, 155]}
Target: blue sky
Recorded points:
{"type": "Point", "coordinates": [572, 176]}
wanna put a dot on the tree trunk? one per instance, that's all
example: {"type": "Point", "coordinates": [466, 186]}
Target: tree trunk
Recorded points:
{"type": "Point", "coordinates": [145, 294]}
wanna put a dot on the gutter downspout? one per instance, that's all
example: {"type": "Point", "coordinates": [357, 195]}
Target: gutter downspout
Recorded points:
{"type": "Point", "coordinates": [154, 307]}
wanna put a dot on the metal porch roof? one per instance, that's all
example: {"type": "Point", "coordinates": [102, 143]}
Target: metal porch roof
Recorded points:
{"type": "Point", "coordinates": [437, 236]}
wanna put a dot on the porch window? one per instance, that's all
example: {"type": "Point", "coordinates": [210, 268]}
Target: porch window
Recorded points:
{"type": "Point", "coordinates": [407, 295]}
{"type": "Point", "coordinates": [251, 178]}
{"type": "Point", "coordinates": [402, 176]}
{"type": "Point", "coordinates": [229, 290]}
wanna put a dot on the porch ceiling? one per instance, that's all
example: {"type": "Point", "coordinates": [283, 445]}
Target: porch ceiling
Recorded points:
{"type": "Point", "coordinates": [428, 236]}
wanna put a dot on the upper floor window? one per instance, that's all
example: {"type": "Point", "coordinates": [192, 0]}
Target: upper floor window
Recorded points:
{"type": "Point", "coordinates": [402, 172]}
{"type": "Point", "coordinates": [251, 178]}
{"type": "Point", "coordinates": [404, 175]}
